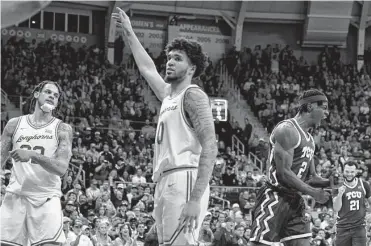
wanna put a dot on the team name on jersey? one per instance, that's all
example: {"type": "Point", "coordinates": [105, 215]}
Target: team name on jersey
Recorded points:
{"type": "Point", "coordinates": [308, 152]}
{"type": "Point", "coordinates": [33, 137]}
{"type": "Point", "coordinates": [353, 194]}
{"type": "Point", "coordinates": [170, 108]}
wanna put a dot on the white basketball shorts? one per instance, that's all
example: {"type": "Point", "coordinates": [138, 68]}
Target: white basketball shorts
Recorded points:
{"type": "Point", "coordinates": [22, 223]}
{"type": "Point", "coordinates": [172, 192]}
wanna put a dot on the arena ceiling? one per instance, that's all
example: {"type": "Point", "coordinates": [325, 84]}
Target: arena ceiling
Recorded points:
{"type": "Point", "coordinates": [323, 21]}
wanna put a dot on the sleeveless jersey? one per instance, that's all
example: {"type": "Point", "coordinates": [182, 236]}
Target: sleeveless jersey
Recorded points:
{"type": "Point", "coordinates": [30, 179]}
{"type": "Point", "coordinates": [176, 143]}
{"type": "Point", "coordinates": [353, 210]}
{"type": "Point", "coordinates": [303, 154]}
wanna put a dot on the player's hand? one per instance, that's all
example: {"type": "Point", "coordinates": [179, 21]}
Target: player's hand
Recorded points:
{"type": "Point", "coordinates": [21, 155]}
{"type": "Point", "coordinates": [341, 190]}
{"type": "Point", "coordinates": [122, 19]}
{"type": "Point", "coordinates": [189, 216]}
{"type": "Point", "coordinates": [321, 196]}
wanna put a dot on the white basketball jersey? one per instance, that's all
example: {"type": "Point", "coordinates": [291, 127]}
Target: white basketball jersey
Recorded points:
{"type": "Point", "coordinates": [176, 143]}
{"type": "Point", "coordinates": [30, 179]}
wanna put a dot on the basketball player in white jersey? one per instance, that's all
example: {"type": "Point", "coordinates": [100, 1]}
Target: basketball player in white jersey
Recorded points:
{"type": "Point", "coordinates": [40, 148]}
{"type": "Point", "coordinates": [185, 148]}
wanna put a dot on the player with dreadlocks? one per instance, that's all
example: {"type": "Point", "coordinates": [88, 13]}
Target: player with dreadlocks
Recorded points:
{"type": "Point", "coordinates": [39, 146]}
{"type": "Point", "coordinates": [279, 214]}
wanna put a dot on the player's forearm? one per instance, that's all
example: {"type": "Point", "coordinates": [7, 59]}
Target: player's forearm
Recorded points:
{"type": "Point", "coordinates": [319, 182]}
{"type": "Point", "coordinates": [5, 148]}
{"type": "Point", "coordinates": [290, 180]}
{"type": "Point", "coordinates": [286, 177]}
{"type": "Point", "coordinates": [142, 59]}
{"type": "Point", "coordinates": [337, 202]}
{"type": "Point", "coordinates": [6, 140]}
{"type": "Point", "coordinates": [205, 170]}
{"type": "Point", "coordinates": [50, 164]}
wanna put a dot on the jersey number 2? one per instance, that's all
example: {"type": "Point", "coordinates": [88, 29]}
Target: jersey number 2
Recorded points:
{"type": "Point", "coordinates": [38, 149]}
{"type": "Point", "coordinates": [354, 205]}
{"type": "Point", "coordinates": [302, 169]}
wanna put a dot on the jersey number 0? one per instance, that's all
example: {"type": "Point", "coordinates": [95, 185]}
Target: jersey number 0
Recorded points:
{"type": "Point", "coordinates": [160, 132]}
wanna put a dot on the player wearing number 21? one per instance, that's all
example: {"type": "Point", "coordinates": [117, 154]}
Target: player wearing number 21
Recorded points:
{"type": "Point", "coordinates": [350, 203]}
{"type": "Point", "coordinates": [39, 146]}
{"type": "Point", "coordinates": [185, 148]}
{"type": "Point", "coordinates": [279, 213]}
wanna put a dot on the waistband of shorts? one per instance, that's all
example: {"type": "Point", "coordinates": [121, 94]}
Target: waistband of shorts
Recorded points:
{"type": "Point", "coordinates": [283, 191]}
{"type": "Point", "coordinates": [173, 170]}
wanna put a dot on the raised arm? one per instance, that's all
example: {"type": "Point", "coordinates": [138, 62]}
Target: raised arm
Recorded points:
{"type": "Point", "coordinates": [57, 164]}
{"type": "Point", "coordinates": [146, 66]}
{"type": "Point", "coordinates": [197, 108]}
{"type": "Point", "coordinates": [6, 140]}
{"type": "Point", "coordinates": [286, 138]}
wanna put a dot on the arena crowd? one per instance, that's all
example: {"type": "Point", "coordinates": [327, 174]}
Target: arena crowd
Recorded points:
{"type": "Point", "coordinates": [109, 179]}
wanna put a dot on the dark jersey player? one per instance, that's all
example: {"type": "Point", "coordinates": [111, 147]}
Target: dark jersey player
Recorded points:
{"type": "Point", "coordinates": [279, 213]}
{"type": "Point", "coordinates": [350, 203]}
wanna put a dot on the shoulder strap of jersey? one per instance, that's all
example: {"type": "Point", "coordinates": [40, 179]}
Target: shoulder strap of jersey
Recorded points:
{"type": "Point", "coordinates": [56, 129]}
{"type": "Point", "coordinates": [363, 187]}
{"type": "Point", "coordinates": [292, 123]}
{"type": "Point", "coordinates": [19, 122]}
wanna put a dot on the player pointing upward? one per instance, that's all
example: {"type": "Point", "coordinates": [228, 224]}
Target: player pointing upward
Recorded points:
{"type": "Point", "coordinates": [279, 211]}
{"type": "Point", "coordinates": [40, 148]}
{"type": "Point", "coordinates": [185, 142]}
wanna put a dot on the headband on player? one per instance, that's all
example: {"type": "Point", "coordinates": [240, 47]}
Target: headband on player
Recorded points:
{"type": "Point", "coordinates": [317, 98]}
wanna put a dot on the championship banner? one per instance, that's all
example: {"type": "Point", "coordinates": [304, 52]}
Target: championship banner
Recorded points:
{"type": "Point", "coordinates": [219, 108]}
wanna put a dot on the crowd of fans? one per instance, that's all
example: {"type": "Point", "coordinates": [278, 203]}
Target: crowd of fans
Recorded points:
{"type": "Point", "coordinates": [108, 191]}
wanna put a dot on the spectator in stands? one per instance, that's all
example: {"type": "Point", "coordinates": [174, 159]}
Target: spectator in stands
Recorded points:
{"type": "Point", "coordinates": [239, 231]}
{"type": "Point", "coordinates": [225, 234]}
{"type": "Point", "coordinates": [229, 178]}
{"type": "Point", "coordinates": [206, 235]}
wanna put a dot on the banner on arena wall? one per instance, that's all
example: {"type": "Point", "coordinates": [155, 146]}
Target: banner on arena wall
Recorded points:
{"type": "Point", "coordinates": [76, 39]}
{"type": "Point", "coordinates": [154, 40]}
{"type": "Point", "coordinates": [213, 45]}
{"type": "Point", "coordinates": [205, 27]}
{"type": "Point", "coordinates": [219, 107]}
{"type": "Point", "coordinates": [152, 32]}
{"type": "Point", "coordinates": [149, 22]}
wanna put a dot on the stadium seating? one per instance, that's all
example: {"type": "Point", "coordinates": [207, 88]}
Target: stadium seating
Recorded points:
{"type": "Point", "coordinates": [114, 127]}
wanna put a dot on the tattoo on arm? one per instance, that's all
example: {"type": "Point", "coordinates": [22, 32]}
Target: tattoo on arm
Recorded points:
{"type": "Point", "coordinates": [58, 164]}
{"type": "Point", "coordinates": [6, 140]}
{"type": "Point", "coordinates": [197, 106]}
